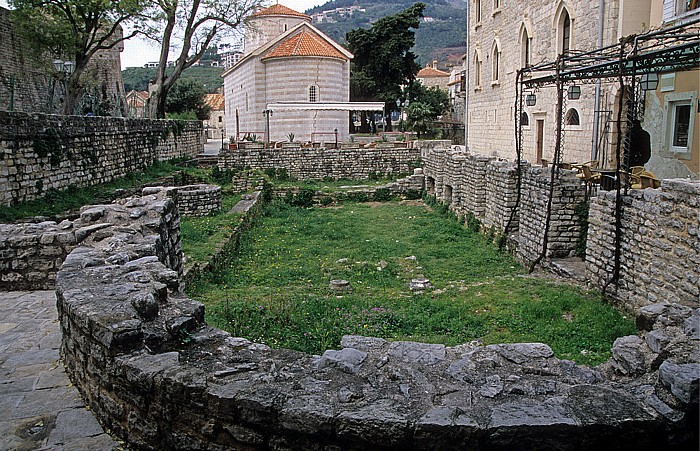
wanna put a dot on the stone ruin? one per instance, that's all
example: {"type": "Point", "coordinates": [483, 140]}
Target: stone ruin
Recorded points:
{"type": "Point", "coordinates": [159, 378]}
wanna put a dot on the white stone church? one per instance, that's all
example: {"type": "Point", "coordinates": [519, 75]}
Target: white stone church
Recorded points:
{"type": "Point", "coordinates": [292, 75]}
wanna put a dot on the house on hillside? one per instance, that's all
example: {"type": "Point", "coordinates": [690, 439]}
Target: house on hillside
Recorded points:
{"type": "Point", "coordinates": [137, 104]}
{"type": "Point", "coordinates": [292, 79]}
{"type": "Point", "coordinates": [504, 39]}
{"type": "Point", "coordinates": [430, 76]}
{"type": "Point", "coordinates": [215, 126]}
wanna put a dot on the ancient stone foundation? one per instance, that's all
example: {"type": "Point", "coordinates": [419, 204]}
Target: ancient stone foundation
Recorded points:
{"type": "Point", "coordinates": [191, 200]}
{"type": "Point", "coordinates": [40, 152]}
{"type": "Point", "coordinates": [660, 248]}
{"type": "Point", "coordinates": [660, 258]}
{"type": "Point", "coordinates": [319, 163]}
{"type": "Point", "coordinates": [158, 377]}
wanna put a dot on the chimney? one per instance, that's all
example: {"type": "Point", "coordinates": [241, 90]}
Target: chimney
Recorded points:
{"type": "Point", "coordinates": [435, 64]}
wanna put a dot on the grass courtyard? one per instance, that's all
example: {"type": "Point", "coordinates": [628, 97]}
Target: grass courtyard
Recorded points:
{"type": "Point", "coordinates": [276, 289]}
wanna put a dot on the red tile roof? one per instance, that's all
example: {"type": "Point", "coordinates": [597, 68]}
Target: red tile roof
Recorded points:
{"type": "Point", "coordinates": [305, 43]}
{"type": "Point", "coordinates": [279, 10]}
{"type": "Point", "coordinates": [215, 101]}
{"type": "Point", "coordinates": [428, 72]}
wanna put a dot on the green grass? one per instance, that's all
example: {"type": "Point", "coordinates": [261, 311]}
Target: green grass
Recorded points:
{"type": "Point", "coordinates": [60, 202]}
{"type": "Point", "coordinates": [201, 237]}
{"type": "Point", "coordinates": [276, 290]}
{"type": "Point", "coordinates": [331, 186]}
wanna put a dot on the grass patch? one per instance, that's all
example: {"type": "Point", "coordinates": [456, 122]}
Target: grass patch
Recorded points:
{"type": "Point", "coordinates": [201, 237]}
{"type": "Point", "coordinates": [331, 186]}
{"type": "Point", "coordinates": [276, 289]}
{"type": "Point", "coordinates": [55, 202]}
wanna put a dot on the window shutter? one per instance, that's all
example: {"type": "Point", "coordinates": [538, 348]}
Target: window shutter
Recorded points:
{"type": "Point", "coordinates": [669, 10]}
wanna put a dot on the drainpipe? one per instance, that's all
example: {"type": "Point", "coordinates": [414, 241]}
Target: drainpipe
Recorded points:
{"type": "Point", "coordinates": [596, 113]}
{"type": "Point", "coordinates": [467, 87]}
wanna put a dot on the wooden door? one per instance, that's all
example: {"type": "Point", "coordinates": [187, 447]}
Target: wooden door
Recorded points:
{"type": "Point", "coordinates": [540, 141]}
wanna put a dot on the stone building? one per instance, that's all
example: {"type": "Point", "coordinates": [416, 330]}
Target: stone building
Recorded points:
{"type": "Point", "coordinates": [505, 37]}
{"type": "Point", "coordinates": [215, 126]}
{"type": "Point", "coordinates": [291, 75]}
{"type": "Point", "coordinates": [430, 76]}
{"type": "Point", "coordinates": [29, 83]}
{"type": "Point", "coordinates": [137, 103]}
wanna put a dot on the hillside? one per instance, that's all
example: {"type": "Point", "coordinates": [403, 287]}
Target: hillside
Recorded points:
{"type": "Point", "coordinates": [441, 36]}
{"type": "Point", "coordinates": [137, 78]}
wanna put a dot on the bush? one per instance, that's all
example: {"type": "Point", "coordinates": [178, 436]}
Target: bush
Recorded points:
{"type": "Point", "coordinates": [382, 195]}
{"type": "Point", "coordinates": [359, 197]}
{"type": "Point", "coordinates": [326, 201]}
{"type": "Point", "coordinates": [413, 194]}
{"type": "Point", "coordinates": [303, 199]}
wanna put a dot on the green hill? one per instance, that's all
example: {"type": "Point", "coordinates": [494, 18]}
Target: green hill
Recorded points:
{"type": "Point", "coordinates": [441, 36]}
{"type": "Point", "coordinates": [137, 78]}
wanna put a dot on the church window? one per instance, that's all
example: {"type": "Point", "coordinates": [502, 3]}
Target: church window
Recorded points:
{"type": "Point", "coordinates": [313, 93]}
{"type": "Point", "coordinates": [572, 117]}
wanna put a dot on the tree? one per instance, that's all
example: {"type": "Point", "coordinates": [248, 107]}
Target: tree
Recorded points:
{"type": "Point", "coordinates": [187, 96]}
{"type": "Point", "coordinates": [437, 99]}
{"type": "Point", "coordinates": [420, 117]}
{"type": "Point", "coordinates": [194, 25]}
{"type": "Point", "coordinates": [383, 59]}
{"type": "Point", "coordinates": [74, 29]}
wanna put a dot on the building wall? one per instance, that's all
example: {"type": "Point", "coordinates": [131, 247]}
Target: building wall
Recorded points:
{"type": "Point", "coordinates": [41, 152]}
{"type": "Point", "coordinates": [288, 80]}
{"type": "Point", "coordinates": [261, 30]}
{"type": "Point", "coordinates": [491, 105]}
{"type": "Point", "coordinates": [27, 77]}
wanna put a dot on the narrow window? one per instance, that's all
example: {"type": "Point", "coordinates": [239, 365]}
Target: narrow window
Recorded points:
{"type": "Point", "coordinates": [496, 4]}
{"type": "Point", "coordinates": [496, 62]}
{"type": "Point", "coordinates": [477, 71]}
{"type": "Point", "coordinates": [526, 49]}
{"type": "Point", "coordinates": [477, 8]}
{"type": "Point", "coordinates": [566, 33]}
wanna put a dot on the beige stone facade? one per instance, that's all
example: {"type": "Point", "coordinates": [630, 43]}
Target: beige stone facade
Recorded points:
{"type": "Point", "coordinates": [293, 63]}
{"type": "Point", "coordinates": [506, 36]}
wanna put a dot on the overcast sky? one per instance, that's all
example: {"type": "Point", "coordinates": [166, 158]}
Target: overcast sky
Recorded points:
{"type": "Point", "coordinates": [138, 52]}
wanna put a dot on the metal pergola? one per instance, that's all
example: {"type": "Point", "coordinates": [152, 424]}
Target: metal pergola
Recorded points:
{"type": "Point", "coordinates": [672, 49]}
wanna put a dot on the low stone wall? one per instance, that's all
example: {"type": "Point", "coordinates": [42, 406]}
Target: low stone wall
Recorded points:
{"type": "Point", "coordinates": [246, 180]}
{"type": "Point", "coordinates": [320, 163]}
{"type": "Point", "coordinates": [191, 200]}
{"type": "Point", "coordinates": [487, 189]}
{"type": "Point", "coordinates": [31, 254]}
{"type": "Point", "coordinates": [564, 226]}
{"type": "Point", "coordinates": [159, 378]}
{"type": "Point", "coordinates": [40, 152]}
{"type": "Point", "coordinates": [660, 260]}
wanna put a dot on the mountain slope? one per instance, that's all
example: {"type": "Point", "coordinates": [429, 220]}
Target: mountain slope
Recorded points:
{"type": "Point", "coordinates": [441, 36]}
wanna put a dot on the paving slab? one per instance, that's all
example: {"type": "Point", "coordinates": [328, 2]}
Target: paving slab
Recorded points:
{"type": "Point", "coordinates": [40, 408]}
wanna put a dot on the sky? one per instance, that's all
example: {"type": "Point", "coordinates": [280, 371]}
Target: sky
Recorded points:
{"type": "Point", "coordinates": [138, 52]}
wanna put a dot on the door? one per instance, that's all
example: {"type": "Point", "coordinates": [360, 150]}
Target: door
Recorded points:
{"type": "Point", "coordinates": [540, 141]}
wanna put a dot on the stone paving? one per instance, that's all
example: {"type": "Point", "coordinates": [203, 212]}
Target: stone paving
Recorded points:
{"type": "Point", "coordinates": [39, 408]}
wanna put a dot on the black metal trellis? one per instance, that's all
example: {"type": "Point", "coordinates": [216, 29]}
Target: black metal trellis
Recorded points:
{"type": "Point", "coordinates": [672, 49]}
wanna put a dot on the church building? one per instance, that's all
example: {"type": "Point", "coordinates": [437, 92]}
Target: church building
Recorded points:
{"type": "Point", "coordinates": [292, 79]}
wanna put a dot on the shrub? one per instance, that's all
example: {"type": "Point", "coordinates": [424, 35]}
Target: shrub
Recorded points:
{"type": "Point", "coordinates": [412, 194]}
{"type": "Point", "coordinates": [326, 201]}
{"type": "Point", "coordinates": [359, 197]}
{"type": "Point", "coordinates": [382, 195]}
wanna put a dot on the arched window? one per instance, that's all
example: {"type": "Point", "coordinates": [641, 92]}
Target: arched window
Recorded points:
{"type": "Point", "coordinates": [525, 47]}
{"type": "Point", "coordinates": [524, 119]}
{"type": "Point", "coordinates": [566, 33]}
{"type": "Point", "coordinates": [477, 70]}
{"type": "Point", "coordinates": [496, 62]}
{"type": "Point", "coordinates": [313, 93]}
{"type": "Point", "coordinates": [572, 117]}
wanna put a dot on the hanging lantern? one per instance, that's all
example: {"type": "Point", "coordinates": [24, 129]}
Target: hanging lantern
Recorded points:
{"type": "Point", "coordinates": [574, 92]}
{"type": "Point", "coordinates": [531, 99]}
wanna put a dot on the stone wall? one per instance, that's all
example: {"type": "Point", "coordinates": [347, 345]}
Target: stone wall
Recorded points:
{"type": "Point", "coordinates": [660, 260]}
{"type": "Point", "coordinates": [159, 378]}
{"type": "Point", "coordinates": [564, 226]}
{"type": "Point", "coordinates": [191, 200]}
{"type": "Point", "coordinates": [42, 152]}
{"type": "Point", "coordinates": [31, 254]}
{"type": "Point", "coordinates": [26, 78]}
{"type": "Point", "coordinates": [320, 163]}
{"type": "Point", "coordinates": [487, 189]}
